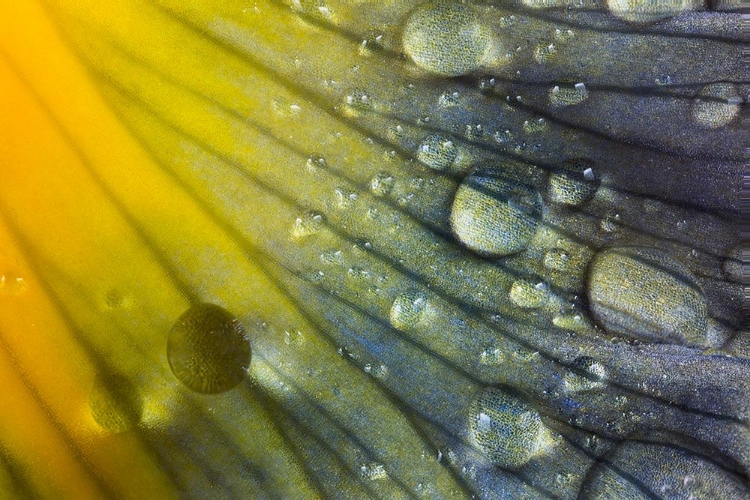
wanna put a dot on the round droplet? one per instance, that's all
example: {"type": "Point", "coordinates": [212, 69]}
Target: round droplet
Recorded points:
{"type": "Point", "coordinates": [557, 259]}
{"type": "Point", "coordinates": [446, 38]}
{"type": "Point", "coordinates": [646, 11]}
{"type": "Point", "coordinates": [307, 225]}
{"type": "Point", "coordinates": [574, 183]}
{"type": "Point", "coordinates": [544, 52]}
{"type": "Point", "coordinates": [437, 152]}
{"type": "Point", "coordinates": [643, 293]}
{"type": "Point", "coordinates": [493, 215]}
{"type": "Point", "coordinates": [407, 310]}
{"type": "Point", "coordinates": [527, 295]}
{"type": "Point", "coordinates": [716, 105]}
{"type": "Point", "coordinates": [208, 349]}
{"type": "Point", "coordinates": [566, 96]}
{"type": "Point", "coordinates": [382, 184]}
{"type": "Point", "coordinates": [506, 428]}
{"type": "Point", "coordinates": [589, 374]}
{"type": "Point", "coordinates": [115, 403]}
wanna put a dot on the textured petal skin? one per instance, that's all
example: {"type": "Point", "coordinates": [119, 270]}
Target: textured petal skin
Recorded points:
{"type": "Point", "coordinates": [289, 162]}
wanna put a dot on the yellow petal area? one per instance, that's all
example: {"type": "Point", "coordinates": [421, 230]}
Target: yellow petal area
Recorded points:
{"type": "Point", "coordinates": [264, 157]}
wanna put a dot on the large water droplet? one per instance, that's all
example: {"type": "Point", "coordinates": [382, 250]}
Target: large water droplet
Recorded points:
{"type": "Point", "coordinates": [208, 349]}
{"type": "Point", "coordinates": [494, 215]}
{"type": "Point", "coordinates": [446, 38]}
{"type": "Point", "coordinates": [643, 293]}
{"type": "Point", "coordinates": [646, 11]}
{"type": "Point", "coordinates": [506, 428]}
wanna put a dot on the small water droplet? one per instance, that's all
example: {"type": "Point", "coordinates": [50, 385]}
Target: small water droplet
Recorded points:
{"type": "Point", "coordinates": [437, 151]}
{"type": "Point", "coordinates": [12, 285]}
{"type": "Point", "coordinates": [315, 162]}
{"type": "Point", "coordinates": [406, 310]}
{"type": "Point", "coordinates": [307, 225]}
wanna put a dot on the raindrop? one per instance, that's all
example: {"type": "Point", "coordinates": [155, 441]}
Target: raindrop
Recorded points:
{"type": "Point", "coordinates": [643, 293]}
{"type": "Point", "coordinates": [716, 105]}
{"type": "Point", "coordinates": [437, 152]}
{"type": "Point", "coordinates": [573, 183]}
{"type": "Point", "coordinates": [446, 38]}
{"type": "Point", "coordinates": [208, 349]}
{"type": "Point", "coordinates": [507, 429]}
{"type": "Point", "coordinates": [406, 310]}
{"type": "Point", "coordinates": [382, 184]}
{"type": "Point", "coordinates": [307, 225]}
{"type": "Point", "coordinates": [494, 215]}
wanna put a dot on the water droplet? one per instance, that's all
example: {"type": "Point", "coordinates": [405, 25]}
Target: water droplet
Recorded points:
{"type": "Point", "coordinates": [344, 198]}
{"type": "Point", "coordinates": [646, 11]}
{"type": "Point", "coordinates": [382, 184]}
{"type": "Point", "coordinates": [716, 105]}
{"type": "Point", "coordinates": [437, 152]}
{"type": "Point", "coordinates": [12, 285]}
{"type": "Point", "coordinates": [643, 293]}
{"type": "Point", "coordinates": [406, 310]}
{"type": "Point", "coordinates": [115, 403]}
{"type": "Point", "coordinates": [573, 183]}
{"type": "Point", "coordinates": [544, 52]}
{"type": "Point", "coordinates": [557, 259]}
{"type": "Point", "coordinates": [446, 38]}
{"type": "Point", "coordinates": [592, 375]}
{"type": "Point", "coordinates": [315, 162]}
{"type": "Point", "coordinates": [208, 349]}
{"type": "Point", "coordinates": [373, 471]}
{"type": "Point", "coordinates": [494, 215]}
{"type": "Point", "coordinates": [295, 338]}
{"type": "Point", "coordinates": [314, 8]}
{"type": "Point", "coordinates": [448, 99]}
{"type": "Point", "coordinates": [358, 100]}
{"type": "Point", "coordinates": [307, 225]}
{"type": "Point", "coordinates": [531, 126]}
{"type": "Point", "coordinates": [566, 96]}
{"type": "Point", "coordinates": [528, 296]}
{"type": "Point", "coordinates": [507, 429]}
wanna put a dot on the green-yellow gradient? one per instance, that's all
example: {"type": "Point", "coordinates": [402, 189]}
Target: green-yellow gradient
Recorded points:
{"type": "Point", "coordinates": [290, 163]}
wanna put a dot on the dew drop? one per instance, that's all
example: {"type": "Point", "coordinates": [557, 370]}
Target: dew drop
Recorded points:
{"type": "Point", "coordinates": [716, 105]}
{"type": "Point", "coordinates": [592, 375]}
{"type": "Point", "coordinates": [573, 183]}
{"type": "Point", "coordinates": [566, 96]}
{"type": "Point", "coordinates": [493, 215]}
{"type": "Point", "coordinates": [437, 152]}
{"type": "Point", "coordinates": [528, 296]}
{"type": "Point", "coordinates": [643, 293]}
{"type": "Point", "coordinates": [208, 349]}
{"type": "Point", "coordinates": [646, 11]}
{"type": "Point", "coordinates": [544, 52]}
{"type": "Point", "coordinates": [406, 310]}
{"type": "Point", "coordinates": [446, 38]}
{"type": "Point", "coordinates": [12, 285]}
{"type": "Point", "coordinates": [307, 225]}
{"type": "Point", "coordinates": [506, 428]}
